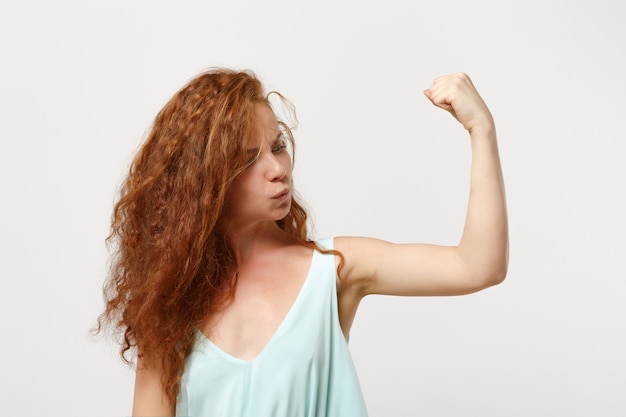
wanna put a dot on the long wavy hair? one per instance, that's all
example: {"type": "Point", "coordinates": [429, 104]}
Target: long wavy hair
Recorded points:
{"type": "Point", "coordinates": [171, 264]}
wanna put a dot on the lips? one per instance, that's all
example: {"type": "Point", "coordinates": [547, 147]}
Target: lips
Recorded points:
{"type": "Point", "coordinates": [281, 194]}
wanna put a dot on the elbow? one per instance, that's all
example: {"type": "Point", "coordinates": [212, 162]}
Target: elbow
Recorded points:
{"type": "Point", "coordinates": [504, 266]}
{"type": "Point", "coordinates": [497, 277]}
{"type": "Point", "coordinates": [485, 265]}
{"type": "Point", "coordinates": [496, 273]}
{"type": "Point", "coordinates": [487, 276]}
{"type": "Point", "coordinates": [493, 269]}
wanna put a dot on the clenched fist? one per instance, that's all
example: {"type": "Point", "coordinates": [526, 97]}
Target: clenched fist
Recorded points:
{"type": "Point", "coordinates": [456, 94]}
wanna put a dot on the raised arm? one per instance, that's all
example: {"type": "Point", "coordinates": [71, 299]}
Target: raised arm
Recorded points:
{"type": "Point", "coordinates": [479, 260]}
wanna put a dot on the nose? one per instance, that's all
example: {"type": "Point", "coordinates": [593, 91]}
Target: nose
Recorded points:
{"type": "Point", "coordinates": [275, 169]}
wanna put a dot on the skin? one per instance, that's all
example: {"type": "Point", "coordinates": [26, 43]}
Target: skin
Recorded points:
{"type": "Point", "coordinates": [273, 267]}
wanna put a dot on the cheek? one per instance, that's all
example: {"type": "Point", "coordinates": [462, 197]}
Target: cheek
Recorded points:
{"type": "Point", "coordinates": [286, 162]}
{"type": "Point", "coordinates": [237, 191]}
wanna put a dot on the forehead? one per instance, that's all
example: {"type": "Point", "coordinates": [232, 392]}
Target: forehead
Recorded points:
{"type": "Point", "coordinates": [266, 125]}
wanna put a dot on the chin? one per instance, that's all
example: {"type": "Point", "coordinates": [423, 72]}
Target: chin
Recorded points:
{"type": "Point", "coordinates": [284, 214]}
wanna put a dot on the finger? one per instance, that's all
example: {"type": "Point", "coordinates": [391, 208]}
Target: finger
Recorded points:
{"type": "Point", "coordinates": [444, 106]}
{"type": "Point", "coordinates": [437, 98]}
{"type": "Point", "coordinates": [439, 101]}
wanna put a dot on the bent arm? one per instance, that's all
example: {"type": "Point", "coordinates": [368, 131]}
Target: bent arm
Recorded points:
{"type": "Point", "coordinates": [481, 257]}
{"type": "Point", "coordinates": [149, 398]}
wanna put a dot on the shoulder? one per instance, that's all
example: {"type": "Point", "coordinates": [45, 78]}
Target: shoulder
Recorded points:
{"type": "Point", "coordinates": [361, 250]}
{"type": "Point", "coordinates": [325, 243]}
{"type": "Point", "coordinates": [357, 258]}
{"type": "Point", "coordinates": [352, 245]}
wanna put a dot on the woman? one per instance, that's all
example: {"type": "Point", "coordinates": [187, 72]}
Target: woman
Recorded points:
{"type": "Point", "coordinates": [231, 309]}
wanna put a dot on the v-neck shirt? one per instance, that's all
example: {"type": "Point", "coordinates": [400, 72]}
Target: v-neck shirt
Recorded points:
{"type": "Point", "coordinates": [304, 370]}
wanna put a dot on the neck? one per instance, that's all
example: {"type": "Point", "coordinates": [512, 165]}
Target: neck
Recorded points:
{"type": "Point", "coordinates": [253, 239]}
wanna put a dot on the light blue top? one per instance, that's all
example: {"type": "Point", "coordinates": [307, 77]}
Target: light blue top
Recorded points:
{"type": "Point", "coordinates": [305, 370]}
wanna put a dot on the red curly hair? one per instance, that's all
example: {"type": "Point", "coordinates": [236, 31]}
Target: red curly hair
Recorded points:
{"type": "Point", "coordinates": [171, 265]}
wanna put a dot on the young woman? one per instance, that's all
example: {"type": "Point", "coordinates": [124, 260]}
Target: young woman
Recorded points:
{"type": "Point", "coordinates": [231, 309]}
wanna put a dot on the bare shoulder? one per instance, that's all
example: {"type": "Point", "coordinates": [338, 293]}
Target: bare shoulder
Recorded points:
{"type": "Point", "coordinates": [358, 243]}
{"type": "Point", "coordinates": [352, 247]}
{"type": "Point", "coordinates": [359, 258]}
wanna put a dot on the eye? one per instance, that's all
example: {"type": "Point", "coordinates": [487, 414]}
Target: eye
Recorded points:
{"type": "Point", "coordinates": [279, 147]}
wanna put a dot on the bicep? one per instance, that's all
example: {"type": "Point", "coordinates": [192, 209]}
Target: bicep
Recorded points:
{"type": "Point", "coordinates": [407, 269]}
{"type": "Point", "coordinates": [149, 397]}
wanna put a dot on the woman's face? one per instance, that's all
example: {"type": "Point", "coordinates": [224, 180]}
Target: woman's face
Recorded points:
{"type": "Point", "coordinates": [263, 191]}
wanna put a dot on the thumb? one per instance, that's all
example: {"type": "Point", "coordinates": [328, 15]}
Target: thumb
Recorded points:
{"type": "Point", "coordinates": [438, 103]}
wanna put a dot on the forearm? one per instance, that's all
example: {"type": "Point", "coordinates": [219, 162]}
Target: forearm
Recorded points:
{"type": "Point", "coordinates": [484, 244]}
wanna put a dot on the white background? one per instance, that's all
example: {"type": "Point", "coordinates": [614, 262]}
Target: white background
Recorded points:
{"type": "Point", "coordinates": [81, 82]}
